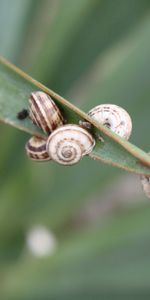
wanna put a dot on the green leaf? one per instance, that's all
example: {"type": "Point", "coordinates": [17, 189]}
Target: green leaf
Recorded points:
{"type": "Point", "coordinates": [15, 88]}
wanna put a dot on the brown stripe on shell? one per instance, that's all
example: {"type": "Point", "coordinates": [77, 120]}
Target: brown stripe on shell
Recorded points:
{"type": "Point", "coordinates": [46, 107]}
{"type": "Point", "coordinates": [98, 109]}
{"type": "Point", "coordinates": [60, 118]}
{"type": "Point", "coordinates": [38, 157]}
{"type": "Point", "coordinates": [33, 114]}
{"type": "Point", "coordinates": [33, 117]}
{"type": "Point", "coordinates": [44, 112]}
{"type": "Point", "coordinates": [53, 114]}
{"type": "Point", "coordinates": [36, 149]}
{"type": "Point", "coordinates": [37, 108]}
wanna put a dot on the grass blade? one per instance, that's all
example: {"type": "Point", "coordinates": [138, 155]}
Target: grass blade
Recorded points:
{"type": "Point", "coordinates": [15, 88]}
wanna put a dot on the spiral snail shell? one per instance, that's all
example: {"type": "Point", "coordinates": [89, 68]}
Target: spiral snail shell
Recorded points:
{"type": "Point", "coordinates": [113, 117]}
{"type": "Point", "coordinates": [44, 113]}
{"type": "Point", "coordinates": [36, 149]}
{"type": "Point", "coordinates": [69, 143]}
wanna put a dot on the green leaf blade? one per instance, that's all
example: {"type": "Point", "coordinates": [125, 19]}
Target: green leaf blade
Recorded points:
{"type": "Point", "coordinates": [15, 88]}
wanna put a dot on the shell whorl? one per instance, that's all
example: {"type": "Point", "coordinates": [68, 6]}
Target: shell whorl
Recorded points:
{"type": "Point", "coordinates": [114, 117]}
{"type": "Point", "coordinates": [36, 149]}
{"type": "Point", "coordinates": [44, 112]}
{"type": "Point", "coordinates": [69, 143]}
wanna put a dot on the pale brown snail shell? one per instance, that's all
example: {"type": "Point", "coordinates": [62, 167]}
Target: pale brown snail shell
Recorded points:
{"type": "Point", "coordinates": [44, 112]}
{"type": "Point", "coordinates": [69, 143]}
{"type": "Point", "coordinates": [145, 181]}
{"type": "Point", "coordinates": [36, 149]}
{"type": "Point", "coordinates": [114, 117]}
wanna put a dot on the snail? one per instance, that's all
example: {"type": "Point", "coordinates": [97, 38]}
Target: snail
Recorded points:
{"type": "Point", "coordinates": [145, 181]}
{"type": "Point", "coordinates": [44, 112]}
{"type": "Point", "coordinates": [36, 149]}
{"type": "Point", "coordinates": [113, 117]}
{"type": "Point", "coordinates": [69, 143]}
{"type": "Point", "coordinates": [23, 114]}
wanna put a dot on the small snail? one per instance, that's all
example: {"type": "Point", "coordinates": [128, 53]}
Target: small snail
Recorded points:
{"type": "Point", "coordinates": [36, 149]}
{"type": "Point", "coordinates": [44, 113]}
{"type": "Point", "coordinates": [23, 114]}
{"type": "Point", "coordinates": [113, 117]}
{"type": "Point", "coordinates": [145, 180]}
{"type": "Point", "coordinates": [69, 143]}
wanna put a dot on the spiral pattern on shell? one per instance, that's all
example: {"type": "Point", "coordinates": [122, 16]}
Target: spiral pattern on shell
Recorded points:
{"type": "Point", "coordinates": [69, 143]}
{"type": "Point", "coordinates": [114, 117]}
{"type": "Point", "coordinates": [36, 149]}
{"type": "Point", "coordinates": [44, 112]}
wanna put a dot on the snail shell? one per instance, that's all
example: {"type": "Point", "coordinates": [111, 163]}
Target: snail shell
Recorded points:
{"type": "Point", "coordinates": [145, 180]}
{"type": "Point", "coordinates": [113, 117]}
{"type": "Point", "coordinates": [36, 149]}
{"type": "Point", "coordinates": [69, 143]}
{"type": "Point", "coordinates": [43, 112]}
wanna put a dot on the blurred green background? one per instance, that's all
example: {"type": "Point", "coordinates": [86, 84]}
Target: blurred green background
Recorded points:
{"type": "Point", "coordinates": [95, 219]}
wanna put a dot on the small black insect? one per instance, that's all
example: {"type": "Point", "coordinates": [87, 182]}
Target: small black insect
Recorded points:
{"type": "Point", "coordinates": [23, 114]}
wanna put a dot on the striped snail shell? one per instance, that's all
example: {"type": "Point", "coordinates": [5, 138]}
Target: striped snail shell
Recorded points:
{"type": "Point", "coordinates": [36, 149]}
{"type": "Point", "coordinates": [69, 143]}
{"type": "Point", "coordinates": [113, 117]}
{"type": "Point", "coordinates": [44, 112]}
